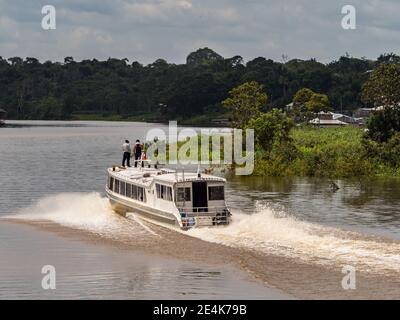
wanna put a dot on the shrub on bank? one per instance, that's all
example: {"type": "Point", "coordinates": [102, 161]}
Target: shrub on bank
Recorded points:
{"type": "Point", "coordinates": [330, 152]}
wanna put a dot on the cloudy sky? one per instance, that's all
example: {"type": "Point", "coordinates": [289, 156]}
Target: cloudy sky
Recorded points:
{"type": "Point", "coordinates": [145, 30]}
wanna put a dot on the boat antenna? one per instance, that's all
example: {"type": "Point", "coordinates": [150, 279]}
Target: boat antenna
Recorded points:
{"type": "Point", "coordinates": [184, 195]}
{"type": "Point", "coordinates": [199, 172]}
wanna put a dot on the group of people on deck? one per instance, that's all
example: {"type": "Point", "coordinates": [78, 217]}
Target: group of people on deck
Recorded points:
{"type": "Point", "coordinates": [136, 152]}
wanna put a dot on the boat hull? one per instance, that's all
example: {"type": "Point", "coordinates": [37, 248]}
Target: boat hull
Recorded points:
{"type": "Point", "coordinates": [124, 207]}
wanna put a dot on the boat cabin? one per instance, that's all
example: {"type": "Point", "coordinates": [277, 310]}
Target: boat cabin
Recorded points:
{"type": "Point", "coordinates": [197, 198]}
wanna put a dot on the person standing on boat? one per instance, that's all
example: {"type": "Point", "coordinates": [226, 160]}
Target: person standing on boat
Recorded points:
{"type": "Point", "coordinates": [137, 152]}
{"type": "Point", "coordinates": [126, 148]}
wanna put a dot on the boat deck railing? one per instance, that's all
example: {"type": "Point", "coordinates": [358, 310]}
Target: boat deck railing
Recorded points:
{"type": "Point", "coordinates": [206, 215]}
{"type": "Point", "coordinates": [210, 210]}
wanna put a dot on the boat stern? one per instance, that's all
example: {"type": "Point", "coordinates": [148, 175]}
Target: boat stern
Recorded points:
{"type": "Point", "coordinates": [218, 217]}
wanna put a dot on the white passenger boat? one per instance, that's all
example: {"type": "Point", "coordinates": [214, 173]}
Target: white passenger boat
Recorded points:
{"type": "Point", "coordinates": [186, 200]}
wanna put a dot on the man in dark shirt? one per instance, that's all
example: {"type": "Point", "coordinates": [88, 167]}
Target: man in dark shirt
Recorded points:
{"type": "Point", "coordinates": [137, 151]}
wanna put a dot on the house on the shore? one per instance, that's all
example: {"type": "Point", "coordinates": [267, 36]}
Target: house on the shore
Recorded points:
{"type": "Point", "coordinates": [3, 114]}
{"type": "Point", "coordinates": [331, 119]}
{"type": "Point", "coordinates": [289, 107]}
{"type": "Point", "coordinates": [363, 112]}
{"type": "Point", "coordinates": [348, 119]}
{"type": "Point", "coordinates": [367, 112]}
{"type": "Point", "coordinates": [325, 119]}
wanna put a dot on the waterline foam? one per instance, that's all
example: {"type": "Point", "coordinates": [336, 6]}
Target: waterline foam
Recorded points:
{"type": "Point", "coordinates": [83, 211]}
{"type": "Point", "coordinates": [270, 231]}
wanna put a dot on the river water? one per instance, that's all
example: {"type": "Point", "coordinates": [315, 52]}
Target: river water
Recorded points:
{"type": "Point", "coordinates": [290, 238]}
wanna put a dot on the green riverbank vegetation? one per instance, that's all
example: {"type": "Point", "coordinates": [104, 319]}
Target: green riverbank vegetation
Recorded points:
{"type": "Point", "coordinates": [287, 146]}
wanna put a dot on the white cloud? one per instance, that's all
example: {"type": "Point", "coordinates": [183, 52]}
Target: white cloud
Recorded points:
{"type": "Point", "coordinates": [156, 11]}
{"type": "Point", "coordinates": [84, 35]}
{"type": "Point", "coordinates": [145, 30]}
{"type": "Point", "coordinates": [8, 29]}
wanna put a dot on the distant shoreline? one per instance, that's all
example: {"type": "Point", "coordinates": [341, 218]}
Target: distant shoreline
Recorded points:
{"type": "Point", "coordinates": [196, 121]}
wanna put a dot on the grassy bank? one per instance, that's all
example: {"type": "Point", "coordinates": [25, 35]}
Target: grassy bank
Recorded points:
{"type": "Point", "coordinates": [324, 152]}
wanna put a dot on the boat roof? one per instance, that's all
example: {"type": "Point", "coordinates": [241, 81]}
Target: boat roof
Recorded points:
{"type": "Point", "coordinates": [187, 177]}
{"type": "Point", "coordinates": [146, 176]}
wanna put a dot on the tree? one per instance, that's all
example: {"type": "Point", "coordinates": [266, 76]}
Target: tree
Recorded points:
{"type": "Point", "coordinates": [50, 108]}
{"type": "Point", "coordinates": [308, 74]}
{"type": "Point", "coordinates": [271, 128]}
{"type": "Point", "coordinates": [31, 61]}
{"type": "Point", "coordinates": [203, 57]}
{"type": "Point", "coordinates": [390, 151]}
{"type": "Point", "coordinates": [389, 58]}
{"type": "Point", "coordinates": [245, 102]}
{"type": "Point", "coordinates": [348, 76]}
{"type": "Point", "coordinates": [16, 61]}
{"type": "Point", "coordinates": [382, 125]}
{"type": "Point", "coordinates": [383, 86]}
{"type": "Point", "coordinates": [307, 102]}
{"type": "Point", "coordinates": [317, 103]}
{"type": "Point", "coordinates": [68, 60]}
{"type": "Point", "coordinates": [302, 97]}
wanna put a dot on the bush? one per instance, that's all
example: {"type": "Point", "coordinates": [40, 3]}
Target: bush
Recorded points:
{"type": "Point", "coordinates": [272, 128]}
{"type": "Point", "coordinates": [384, 124]}
{"type": "Point", "coordinates": [384, 153]}
{"type": "Point", "coordinates": [330, 152]}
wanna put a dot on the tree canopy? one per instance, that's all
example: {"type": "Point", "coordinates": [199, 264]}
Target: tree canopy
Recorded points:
{"type": "Point", "coordinates": [383, 86]}
{"type": "Point", "coordinates": [271, 128]}
{"type": "Point", "coordinates": [384, 124]}
{"type": "Point", "coordinates": [29, 88]}
{"type": "Point", "coordinates": [318, 102]}
{"type": "Point", "coordinates": [245, 102]}
{"type": "Point", "coordinates": [302, 97]}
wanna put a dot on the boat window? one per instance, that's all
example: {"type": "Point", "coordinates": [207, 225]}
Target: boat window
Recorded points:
{"type": "Point", "coordinates": [141, 194]}
{"type": "Point", "coordinates": [161, 191]}
{"type": "Point", "coordinates": [216, 193]}
{"type": "Point", "coordinates": [122, 188]}
{"type": "Point", "coordinates": [134, 192]}
{"type": "Point", "coordinates": [184, 194]}
{"type": "Point", "coordinates": [111, 183]}
{"type": "Point", "coordinates": [164, 192]}
{"type": "Point", "coordinates": [116, 186]}
{"type": "Point", "coordinates": [158, 189]}
{"type": "Point", "coordinates": [169, 194]}
{"type": "Point", "coordinates": [128, 190]}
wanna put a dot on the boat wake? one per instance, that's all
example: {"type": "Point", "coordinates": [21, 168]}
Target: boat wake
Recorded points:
{"type": "Point", "coordinates": [272, 231]}
{"type": "Point", "coordinates": [83, 211]}
{"type": "Point", "coordinates": [265, 232]}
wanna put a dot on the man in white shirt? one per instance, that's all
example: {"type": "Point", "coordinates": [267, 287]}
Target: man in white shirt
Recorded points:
{"type": "Point", "coordinates": [126, 148]}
